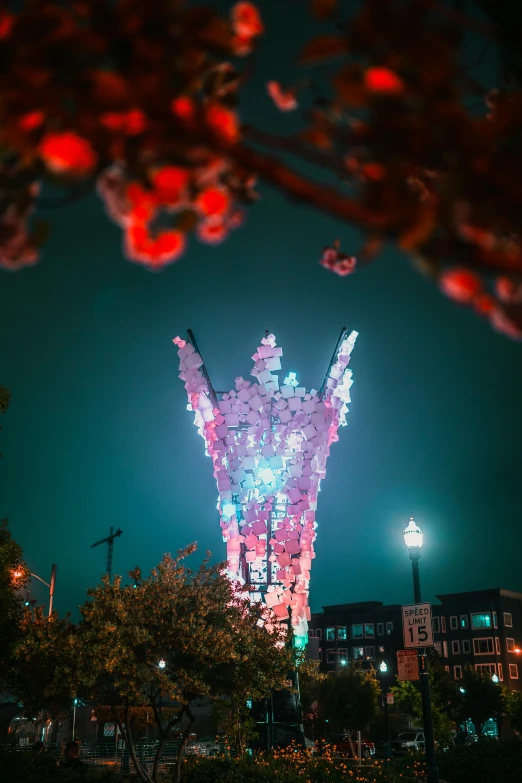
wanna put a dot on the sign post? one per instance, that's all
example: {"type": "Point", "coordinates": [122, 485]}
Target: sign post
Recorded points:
{"type": "Point", "coordinates": [407, 664]}
{"type": "Point", "coordinates": [416, 625]}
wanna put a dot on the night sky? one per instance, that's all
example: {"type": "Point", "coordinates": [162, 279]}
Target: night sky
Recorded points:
{"type": "Point", "coordinates": [98, 433]}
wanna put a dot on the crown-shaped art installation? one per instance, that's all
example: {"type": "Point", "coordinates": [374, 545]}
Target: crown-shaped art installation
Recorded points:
{"type": "Point", "coordinates": [269, 443]}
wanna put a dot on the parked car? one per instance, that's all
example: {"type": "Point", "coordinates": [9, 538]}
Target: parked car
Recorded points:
{"type": "Point", "coordinates": [408, 741]}
{"type": "Point", "coordinates": [341, 743]}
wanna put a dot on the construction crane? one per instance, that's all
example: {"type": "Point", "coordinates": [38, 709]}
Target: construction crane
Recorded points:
{"type": "Point", "coordinates": [109, 540]}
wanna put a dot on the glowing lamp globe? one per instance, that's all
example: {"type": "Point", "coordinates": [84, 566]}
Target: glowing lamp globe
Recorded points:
{"type": "Point", "coordinates": [495, 678]}
{"type": "Point", "coordinates": [413, 535]}
{"type": "Point", "coordinates": [383, 667]}
{"type": "Point", "coordinates": [162, 663]}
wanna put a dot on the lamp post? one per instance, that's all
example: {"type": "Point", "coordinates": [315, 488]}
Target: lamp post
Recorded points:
{"type": "Point", "coordinates": [383, 668]}
{"type": "Point", "coordinates": [413, 539]}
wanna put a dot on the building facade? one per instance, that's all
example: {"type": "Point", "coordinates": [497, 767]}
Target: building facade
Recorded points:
{"type": "Point", "coordinates": [481, 628]}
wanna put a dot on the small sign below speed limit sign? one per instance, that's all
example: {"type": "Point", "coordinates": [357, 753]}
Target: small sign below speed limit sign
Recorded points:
{"type": "Point", "coordinates": [416, 624]}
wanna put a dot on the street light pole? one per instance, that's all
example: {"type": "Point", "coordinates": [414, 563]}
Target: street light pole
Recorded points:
{"type": "Point", "coordinates": [413, 539]}
{"type": "Point", "coordinates": [383, 668]}
{"type": "Point", "coordinates": [50, 585]}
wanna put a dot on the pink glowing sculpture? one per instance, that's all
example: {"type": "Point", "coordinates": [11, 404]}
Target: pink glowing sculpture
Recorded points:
{"type": "Point", "coordinates": [269, 445]}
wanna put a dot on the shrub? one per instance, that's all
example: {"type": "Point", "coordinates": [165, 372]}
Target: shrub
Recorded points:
{"type": "Point", "coordinates": [485, 761]}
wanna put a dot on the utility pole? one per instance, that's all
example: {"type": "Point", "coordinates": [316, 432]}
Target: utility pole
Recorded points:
{"type": "Point", "coordinates": [109, 540]}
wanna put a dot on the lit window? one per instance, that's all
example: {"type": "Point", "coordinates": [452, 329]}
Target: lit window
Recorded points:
{"type": "Point", "coordinates": [443, 624]}
{"type": "Point", "coordinates": [464, 621]}
{"type": "Point", "coordinates": [483, 646]}
{"type": "Point", "coordinates": [457, 672]}
{"type": "Point", "coordinates": [330, 634]}
{"type": "Point", "coordinates": [331, 656]}
{"type": "Point", "coordinates": [510, 645]}
{"type": "Point", "coordinates": [369, 653]}
{"type": "Point", "coordinates": [380, 629]}
{"type": "Point", "coordinates": [445, 649]}
{"type": "Point", "coordinates": [508, 619]}
{"type": "Point", "coordinates": [486, 667]}
{"type": "Point", "coordinates": [357, 631]}
{"type": "Point", "coordinates": [513, 671]}
{"type": "Point", "coordinates": [495, 621]}
{"type": "Point", "coordinates": [481, 620]}
{"type": "Point", "coordinates": [497, 645]}
{"type": "Point", "coordinates": [455, 647]}
{"type": "Point", "coordinates": [369, 630]}
{"type": "Point", "coordinates": [389, 628]}
{"type": "Point", "coordinates": [436, 625]}
{"type": "Point", "coordinates": [358, 653]}
{"type": "Point", "coordinates": [438, 647]}
{"type": "Point", "coordinates": [466, 646]}
{"type": "Point", "coordinates": [341, 633]}
{"type": "Point", "coordinates": [500, 673]}
{"type": "Point", "coordinates": [454, 624]}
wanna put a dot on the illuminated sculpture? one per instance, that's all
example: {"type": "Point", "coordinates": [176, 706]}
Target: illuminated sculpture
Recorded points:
{"type": "Point", "coordinates": [269, 445]}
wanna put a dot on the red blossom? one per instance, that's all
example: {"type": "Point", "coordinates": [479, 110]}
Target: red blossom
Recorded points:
{"type": "Point", "coordinates": [460, 284]}
{"type": "Point", "coordinates": [65, 152]}
{"type": "Point", "coordinates": [246, 20]}
{"type": "Point", "coordinates": [212, 232]}
{"type": "Point", "coordinates": [170, 183]}
{"type": "Point", "coordinates": [135, 122]}
{"type": "Point", "coordinates": [154, 252]}
{"type": "Point", "coordinates": [285, 100]}
{"type": "Point", "coordinates": [484, 304]}
{"type": "Point", "coordinates": [338, 262]}
{"type": "Point", "coordinates": [6, 24]}
{"type": "Point", "coordinates": [501, 322]}
{"type": "Point", "coordinates": [183, 107]}
{"type": "Point", "coordinates": [213, 202]}
{"type": "Point", "coordinates": [241, 45]}
{"type": "Point", "coordinates": [31, 120]}
{"type": "Point", "coordinates": [224, 122]}
{"type": "Point", "coordinates": [507, 290]}
{"type": "Point", "coordinates": [383, 80]}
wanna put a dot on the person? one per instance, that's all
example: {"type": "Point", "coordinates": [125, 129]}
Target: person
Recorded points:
{"type": "Point", "coordinates": [72, 759]}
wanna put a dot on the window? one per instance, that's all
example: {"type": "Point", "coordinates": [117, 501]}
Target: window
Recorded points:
{"type": "Point", "coordinates": [497, 645]}
{"type": "Point", "coordinates": [311, 633]}
{"type": "Point", "coordinates": [454, 623]}
{"type": "Point", "coordinates": [500, 673]}
{"type": "Point", "coordinates": [495, 621]}
{"type": "Point", "coordinates": [486, 667]}
{"type": "Point", "coordinates": [357, 631]}
{"type": "Point", "coordinates": [389, 628]}
{"type": "Point", "coordinates": [358, 653]}
{"type": "Point", "coordinates": [342, 654]}
{"type": "Point", "coordinates": [464, 621]}
{"type": "Point", "coordinates": [510, 645]}
{"type": "Point", "coordinates": [438, 647]}
{"type": "Point", "coordinates": [341, 633]}
{"type": "Point", "coordinates": [508, 619]}
{"type": "Point", "coordinates": [369, 630]}
{"type": "Point", "coordinates": [466, 646]}
{"type": "Point", "coordinates": [319, 633]}
{"type": "Point", "coordinates": [457, 672]}
{"type": "Point", "coordinates": [330, 634]}
{"type": "Point", "coordinates": [331, 656]}
{"type": "Point", "coordinates": [443, 624]}
{"type": "Point", "coordinates": [436, 625]}
{"type": "Point", "coordinates": [483, 646]}
{"type": "Point", "coordinates": [369, 653]}
{"type": "Point", "coordinates": [455, 647]}
{"type": "Point", "coordinates": [445, 649]}
{"type": "Point", "coordinates": [513, 671]}
{"type": "Point", "coordinates": [380, 629]}
{"type": "Point", "coordinates": [481, 620]}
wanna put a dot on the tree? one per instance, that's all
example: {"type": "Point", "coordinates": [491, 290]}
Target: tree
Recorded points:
{"type": "Point", "coordinates": [13, 577]}
{"type": "Point", "coordinates": [159, 643]}
{"type": "Point", "coordinates": [348, 700]}
{"type": "Point", "coordinates": [513, 708]}
{"type": "Point", "coordinates": [445, 700]}
{"type": "Point", "coordinates": [419, 152]}
{"type": "Point", "coordinates": [481, 697]}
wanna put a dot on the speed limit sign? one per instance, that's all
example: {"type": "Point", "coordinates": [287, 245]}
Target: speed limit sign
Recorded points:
{"type": "Point", "coordinates": [416, 624]}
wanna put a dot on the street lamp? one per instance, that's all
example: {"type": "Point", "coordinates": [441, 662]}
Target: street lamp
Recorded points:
{"type": "Point", "coordinates": [50, 585]}
{"type": "Point", "coordinates": [495, 678]}
{"type": "Point", "coordinates": [413, 539]}
{"type": "Point", "coordinates": [383, 668]}
{"type": "Point", "coordinates": [162, 663]}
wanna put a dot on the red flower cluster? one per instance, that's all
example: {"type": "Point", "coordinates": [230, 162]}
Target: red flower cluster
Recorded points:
{"type": "Point", "coordinates": [285, 100]}
{"type": "Point", "coordinates": [338, 262]}
{"type": "Point", "coordinates": [65, 152]}
{"type": "Point", "coordinates": [247, 25]}
{"type": "Point", "coordinates": [383, 81]}
{"type": "Point", "coordinates": [466, 288]}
